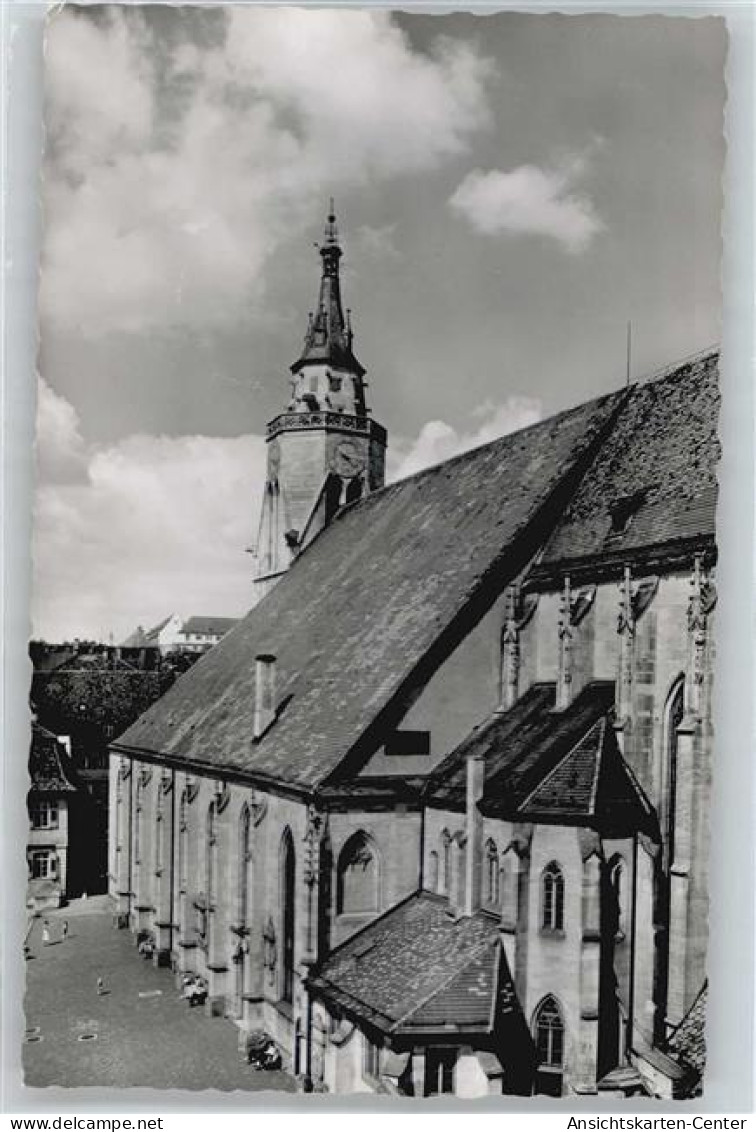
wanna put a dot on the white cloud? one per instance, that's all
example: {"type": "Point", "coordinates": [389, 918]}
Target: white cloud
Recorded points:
{"type": "Point", "coordinates": [438, 441]}
{"type": "Point", "coordinates": [164, 209]}
{"type": "Point", "coordinates": [379, 243]}
{"type": "Point", "coordinates": [153, 524]}
{"type": "Point", "coordinates": [60, 449]}
{"type": "Point", "coordinates": [126, 533]}
{"type": "Point", "coordinates": [530, 200]}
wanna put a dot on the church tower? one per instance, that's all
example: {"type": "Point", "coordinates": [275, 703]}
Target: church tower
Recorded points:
{"type": "Point", "coordinates": [325, 451]}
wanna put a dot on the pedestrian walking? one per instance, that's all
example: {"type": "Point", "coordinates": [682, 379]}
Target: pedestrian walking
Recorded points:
{"type": "Point", "coordinates": [65, 930]}
{"type": "Point", "coordinates": [45, 933]}
{"type": "Point", "coordinates": [100, 985]}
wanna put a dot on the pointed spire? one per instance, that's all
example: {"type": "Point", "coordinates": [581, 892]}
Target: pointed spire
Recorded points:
{"type": "Point", "coordinates": [329, 334]}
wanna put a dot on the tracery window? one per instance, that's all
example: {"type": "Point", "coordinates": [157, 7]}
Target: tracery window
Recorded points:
{"type": "Point", "coordinates": [548, 1032]}
{"type": "Point", "coordinates": [288, 894]}
{"type": "Point", "coordinates": [617, 877]}
{"type": "Point", "coordinates": [210, 855]}
{"type": "Point", "coordinates": [245, 857]}
{"type": "Point", "coordinates": [675, 712]}
{"type": "Point", "coordinates": [357, 876]}
{"type": "Point", "coordinates": [552, 898]}
{"type": "Point", "coordinates": [183, 841]}
{"type": "Point", "coordinates": [492, 874]}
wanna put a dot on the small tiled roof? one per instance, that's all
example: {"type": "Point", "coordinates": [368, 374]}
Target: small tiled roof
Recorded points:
{"type": "Point", "coordinates": [571, 787]}
{"type": "Point", "coordinates": [419, 968]}
{"type": "Point", "coordinates": [521, 746]}
{"type": "Point", "coordinates": [47, 763]}
{"type": "Point", "coordinates": [658, 469]}
{"type": "Point", "coordinates": [209, 626]}
{"type": "Point", "coordinates": [592, 784]}
{"type": "Point", "coordinates": [392, 584]}
{"type": "Point", "coordinates": [687, 1044]}
{"type": "Point", "coordinates": [549, 766]}
{"type": "Point", "coordinates": [467, 998]}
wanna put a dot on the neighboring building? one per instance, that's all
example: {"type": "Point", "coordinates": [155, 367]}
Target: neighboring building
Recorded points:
{"type": "Point", "coordinates": [90, 693]}
{"type": "Point", "coordinates": [164, 636]}
{"type": "Point", "coordinates": [435, 813]}
{"type": "Point", "coordinates": [52, 804]}
{"type": "Point", "coordinates": [199, 634]}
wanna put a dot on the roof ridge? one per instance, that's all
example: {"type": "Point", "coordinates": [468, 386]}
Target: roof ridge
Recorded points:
{"type": "Point", "coordinates": [468, 452]}
{"type": "Point", "coordinates": [671, 367]}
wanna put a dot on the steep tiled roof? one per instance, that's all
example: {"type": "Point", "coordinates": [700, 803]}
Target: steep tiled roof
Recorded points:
{"type": "Point", "coordinates": [47, 759]}
{"type": "Point", "coordinates": [657, 471]}
{"type": "Point", "coordinates": [417, 967]}
{"type": "Point", "coordinates": [524, 744]}
{"type": "Point", "coordinates": [209, 626]}
{"type": "Point", "coordinates": [571, 787]}
{"type": "Point", "coordinates": [546, 765]}
{"type": "Point", "coordinates": [467, 998]}
{"type": "Point", "coordinates": [395, 582]}
{"type": "Point", "coordinates": [593, 784]}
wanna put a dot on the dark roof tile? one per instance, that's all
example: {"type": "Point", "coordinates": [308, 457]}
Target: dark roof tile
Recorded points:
{"type": "Point", "coordinates": [418, 966]}
{"type": "Point", "coordinates": [663, 456]}
{"type": "Point", "coordinates": [522, 745]}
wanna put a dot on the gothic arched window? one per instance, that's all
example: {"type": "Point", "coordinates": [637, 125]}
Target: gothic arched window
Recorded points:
{"type": "Point", "coordinates": [210, 854]}
{"type": "Point", "coordinates": [433, 873]}
{"type": "Point", "coordinates": [492, 874]}
{"type": "Point", "coordinates": [288, 896]}
{"type": "Point", "coordinates": [552, 898]}
{"type": "Point", "coordinates": [138, 822]}
{"type": "Point", "coordinates": [245, 856]}
{"type": "Point", "coordinates": [357, 876]}
{"type": "Point", "coordinates": [445, 880]}
{"type": "Point", "coordinates": [458, 855]}
{"type": "Point", "coordinates": [159, 831]}
{"type": "Point", "coordinates": [674, 717]}
{"type": "Point", "coordinates": [183, 841]}
{"type": "Point", "coordinates": [618, 881]}
{"type": "Point", "coordinates": [548, 1034]}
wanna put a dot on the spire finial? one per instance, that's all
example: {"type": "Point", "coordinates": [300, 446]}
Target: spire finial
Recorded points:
{"type": "Point", "coordinates": [331, 231]}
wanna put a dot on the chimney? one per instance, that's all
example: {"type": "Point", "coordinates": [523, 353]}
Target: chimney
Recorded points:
{"type": "Point", "coordinates": [265, 693]}
{"type": "Point", "coordinates": [65, 742]}
{"type": "Point", "coordinates": [476, 776]}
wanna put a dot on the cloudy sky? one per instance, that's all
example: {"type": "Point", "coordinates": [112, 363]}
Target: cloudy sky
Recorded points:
{"type": "Point", "coordinates": [511, 190]}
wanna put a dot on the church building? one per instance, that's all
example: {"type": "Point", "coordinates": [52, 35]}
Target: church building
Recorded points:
{"type": "Point", "coordinates": [434, 814]}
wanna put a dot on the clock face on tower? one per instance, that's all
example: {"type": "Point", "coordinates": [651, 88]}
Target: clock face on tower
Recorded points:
{"type": "Point", "coordinates": [348, 459]}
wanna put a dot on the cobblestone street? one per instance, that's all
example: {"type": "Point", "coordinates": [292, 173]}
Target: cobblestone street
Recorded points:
{"type": "Point", "coordinates": [144, 1033]}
